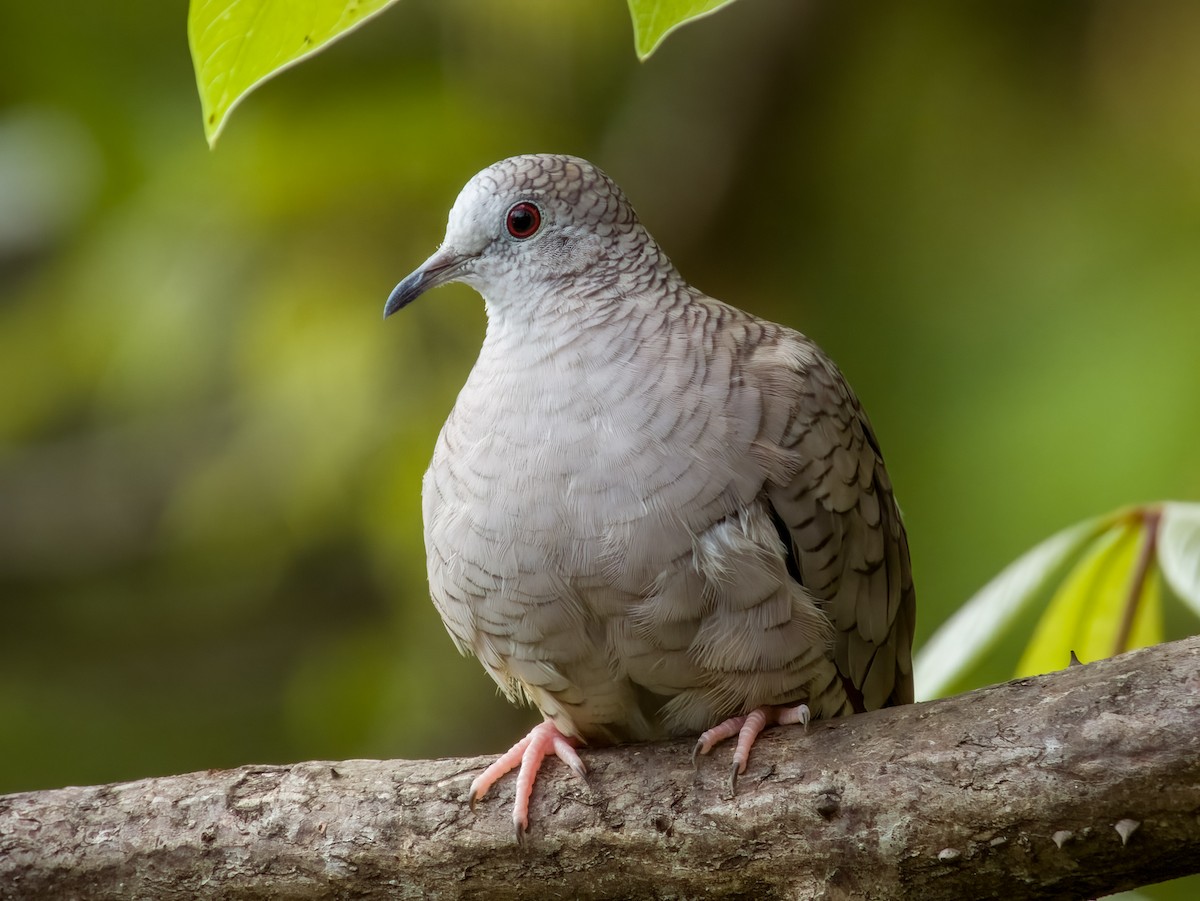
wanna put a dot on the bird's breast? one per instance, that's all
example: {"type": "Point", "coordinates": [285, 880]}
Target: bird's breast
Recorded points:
{"type": "Point", "coordinates": [603, 470]}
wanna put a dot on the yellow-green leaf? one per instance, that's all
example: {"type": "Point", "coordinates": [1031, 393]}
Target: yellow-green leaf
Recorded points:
{"type": "Point", "coordinates": [238, 44]}
{"type": "Point", "coordinates": [1087, 613]}
{"type": "Point", "coordinates": [653, 20]}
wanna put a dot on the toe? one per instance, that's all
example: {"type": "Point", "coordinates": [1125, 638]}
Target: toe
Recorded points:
{"type": "Point", "coordinates": [526, 756]}
{"type": "Point", "coordinates": [747, 729]}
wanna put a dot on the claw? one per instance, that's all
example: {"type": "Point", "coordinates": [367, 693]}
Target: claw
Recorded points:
{"type": "Point", "coordinates": [717, 734]}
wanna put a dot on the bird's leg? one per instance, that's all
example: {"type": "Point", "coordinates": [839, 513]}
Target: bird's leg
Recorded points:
{"type": "Point", "coordinates": [545, 738]}
{"type": "Point", "coordinates": [747, 728]}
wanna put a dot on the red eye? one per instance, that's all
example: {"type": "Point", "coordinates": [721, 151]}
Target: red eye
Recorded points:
{"type": "Point", "coordinates": [523, 219]}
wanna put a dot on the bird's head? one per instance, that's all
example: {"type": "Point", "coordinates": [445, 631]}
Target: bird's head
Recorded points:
{"type": "Point", "coordinates": [528, 225]}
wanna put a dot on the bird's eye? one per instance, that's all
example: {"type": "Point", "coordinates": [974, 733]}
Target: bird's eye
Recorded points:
{"type": "Point", "coordinates": [523, 219]}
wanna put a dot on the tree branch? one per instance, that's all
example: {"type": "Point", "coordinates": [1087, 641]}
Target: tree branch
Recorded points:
{"type": "Point", "coordinates": [1028, 789]}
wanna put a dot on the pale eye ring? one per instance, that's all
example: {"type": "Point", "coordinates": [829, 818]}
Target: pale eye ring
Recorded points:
{"type": "Point", "coordinates": [523, 220]}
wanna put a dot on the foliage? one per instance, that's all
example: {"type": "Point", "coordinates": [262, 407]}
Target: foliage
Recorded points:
{"type": "Point", "coordinates": [1095, 589]}
{"type": "Point", "coordinates": [653, 20]}
{"type": "Point", "coordinates": [239, 44]}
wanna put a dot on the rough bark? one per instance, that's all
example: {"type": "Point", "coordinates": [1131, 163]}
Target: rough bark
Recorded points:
{"type": "Point", "coordinates": [1021, 790]}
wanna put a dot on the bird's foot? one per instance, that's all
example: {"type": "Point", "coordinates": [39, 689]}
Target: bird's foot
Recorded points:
{"type": "Point", "coordinates": [747, 728]}
{"type": "Point", "coordinates": [545, 738]}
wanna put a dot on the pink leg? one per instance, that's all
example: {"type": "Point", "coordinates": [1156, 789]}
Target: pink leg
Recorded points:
{"type": "Point", "coordinates": [747, 729]}
{"type": "Point", "coordinates": [528, 753]}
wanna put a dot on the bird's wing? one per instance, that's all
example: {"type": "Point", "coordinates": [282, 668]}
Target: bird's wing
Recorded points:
{"type": "Point", "coordinates": [835, 510]}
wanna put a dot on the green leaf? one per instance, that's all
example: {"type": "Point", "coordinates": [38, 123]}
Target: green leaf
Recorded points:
{"type": "Point", "coordinates": [653, 20]}
{"type": "Point", "coordinates": [238, 44]}
{"type": "Point", "coordinates": [1179, 551]}
{"type": "Point", "coordinates": [984, 620]}
{"type": "Point", "coordinates": [1088, 612]}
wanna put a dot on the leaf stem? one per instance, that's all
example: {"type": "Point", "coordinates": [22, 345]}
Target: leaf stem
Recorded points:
{"type": "Point", "coordinates": [1151, 519]}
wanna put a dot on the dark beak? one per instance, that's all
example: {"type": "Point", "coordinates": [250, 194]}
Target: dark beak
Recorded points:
{"type": "Point", "coordinates": [440, 268]}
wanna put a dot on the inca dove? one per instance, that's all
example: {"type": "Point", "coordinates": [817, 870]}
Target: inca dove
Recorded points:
{"type": "Point", "coordinates": [649, 513]}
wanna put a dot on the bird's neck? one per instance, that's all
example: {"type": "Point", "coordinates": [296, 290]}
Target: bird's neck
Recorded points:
{"type": "Point", "coordinates": [629, 284]}
{"type": "Point", "coordinates": [539, 326]}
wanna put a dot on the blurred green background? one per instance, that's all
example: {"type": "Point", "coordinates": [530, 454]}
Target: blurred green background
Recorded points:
{"type": "Point", "coordinates": [211, 445]}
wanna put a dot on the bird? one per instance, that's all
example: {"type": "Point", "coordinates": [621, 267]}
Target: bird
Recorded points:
{"type": "Point", "coordinates": [649, 513]}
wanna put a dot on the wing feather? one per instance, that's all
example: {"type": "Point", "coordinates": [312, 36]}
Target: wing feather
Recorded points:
{"type": "Point", "coordinates": [836, 502]}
